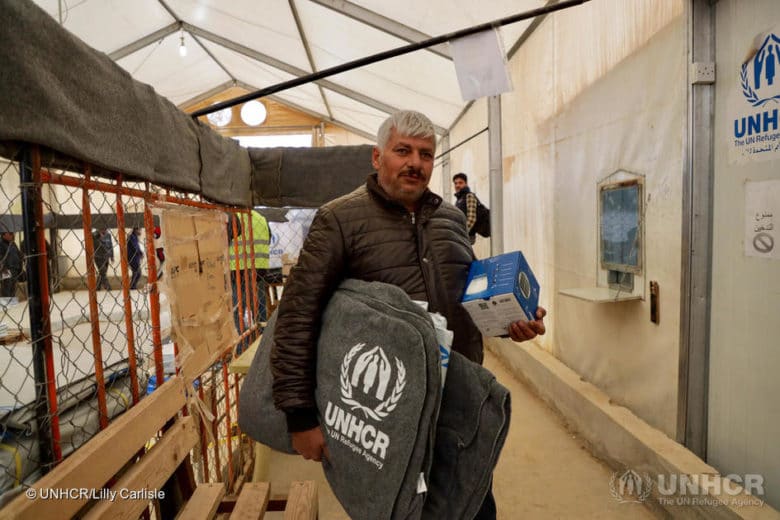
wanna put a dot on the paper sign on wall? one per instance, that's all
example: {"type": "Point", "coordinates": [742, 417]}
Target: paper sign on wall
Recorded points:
{"type": "Point", "coordinates": [762, 218]}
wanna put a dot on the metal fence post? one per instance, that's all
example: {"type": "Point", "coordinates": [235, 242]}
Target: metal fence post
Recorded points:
{"type": "Point", "coordinates": [46, 418]}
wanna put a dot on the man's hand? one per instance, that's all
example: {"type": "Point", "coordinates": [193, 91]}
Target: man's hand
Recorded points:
{"type": "Point", "coordinates": [310, 444]}
{"type": "Point", "coordinates": [522, 330]}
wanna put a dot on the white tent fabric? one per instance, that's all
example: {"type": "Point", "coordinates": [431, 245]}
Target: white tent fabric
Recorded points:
{"type": "Point", "coordinates": [259, 44]}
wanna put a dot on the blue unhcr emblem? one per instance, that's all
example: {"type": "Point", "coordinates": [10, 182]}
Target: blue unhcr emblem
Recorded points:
{"type": "Point", "coordinates": [761, 82]}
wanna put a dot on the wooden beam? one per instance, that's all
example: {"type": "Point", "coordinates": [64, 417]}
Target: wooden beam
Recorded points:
{"type": "Point", "coordinates": [203, 503]}
{"type": "Point", "coordinates": [92, 465]}
{"type": "Point", "coordinates": [246, 473]}
{"type": "Point", "coordinates": [384, 24]}
{"type": "Point", "coordinates": [145, 478]}
{"type": "Point", "coordinates": [252, 501]}
{"type": "Point", "coordinates": [302, 501]}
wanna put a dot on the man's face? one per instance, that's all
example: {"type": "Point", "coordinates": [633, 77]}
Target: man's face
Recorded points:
{"type": "Point", "coordinates": [404, 166]}
{"type": "Point", "coordinates": [8, 237]}
{"type": "Point", "coordinates": [459, 184]}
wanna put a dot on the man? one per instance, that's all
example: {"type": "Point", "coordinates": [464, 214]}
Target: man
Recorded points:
{"type": "Point", "coordinates": [159, 251]}
{"type": "Point", "coordinates": [134, 256]}
{"type": "Point", "coordinates": [104, 254]}
{"type": "Point", "coordinates": [11, 265]}
{"type": "Point", "coordinates": [393, 230]}
{"type": "Point", "coordinates": [466, 202]}
{"type": "Point", "coordinates": [257, 242]}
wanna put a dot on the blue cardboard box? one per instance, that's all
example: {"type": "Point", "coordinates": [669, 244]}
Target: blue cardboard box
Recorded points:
{"type": "Point", "coordinates": [500, 290]}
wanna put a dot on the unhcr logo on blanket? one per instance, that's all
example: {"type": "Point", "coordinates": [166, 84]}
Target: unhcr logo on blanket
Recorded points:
{"type": "Point", "coordinates": [367, 378]}
{"type": "Point", "coordinates": [371, 386]}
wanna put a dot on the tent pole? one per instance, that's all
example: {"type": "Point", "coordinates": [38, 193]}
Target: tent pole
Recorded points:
{"type": "Point", "coordinates": [338, 69]}
{"type": "Point", "coordinates": [496, 176]}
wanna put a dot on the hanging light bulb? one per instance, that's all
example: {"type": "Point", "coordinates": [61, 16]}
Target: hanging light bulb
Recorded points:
{"type": "Point", "coordinates": [182, 47]}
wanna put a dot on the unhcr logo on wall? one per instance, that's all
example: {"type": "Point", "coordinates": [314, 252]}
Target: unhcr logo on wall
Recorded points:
{"type": "Point", "coordinates": [762, 83]}
{"type": "Point", "coordinates": [756, 125]}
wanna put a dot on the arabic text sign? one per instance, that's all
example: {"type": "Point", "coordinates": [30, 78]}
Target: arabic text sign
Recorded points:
{"type": "Point", "coordinates": [762, 218]}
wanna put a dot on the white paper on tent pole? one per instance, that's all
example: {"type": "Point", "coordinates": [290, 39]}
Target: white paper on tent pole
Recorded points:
{"type": "Point", "coordinates": [480, 63]}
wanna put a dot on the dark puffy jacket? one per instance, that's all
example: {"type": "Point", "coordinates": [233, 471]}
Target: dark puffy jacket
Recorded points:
{"type": "Point", "coordinates": [10, 258]}
{"type": "Point", "coordinates": [367, 236]}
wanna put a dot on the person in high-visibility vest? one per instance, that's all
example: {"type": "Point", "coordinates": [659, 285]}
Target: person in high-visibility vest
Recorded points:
{"type": "Point", "coordinates": [257, 242]}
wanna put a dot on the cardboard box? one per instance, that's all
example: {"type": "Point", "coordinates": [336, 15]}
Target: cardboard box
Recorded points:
{"type": "Point", "coordinates": [501, 290]}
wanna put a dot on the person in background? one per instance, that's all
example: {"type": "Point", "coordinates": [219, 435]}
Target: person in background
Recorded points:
{"type": "Point", "coordinates": [258, 242]}
{"type": "Point", "coordinates": [11, 265]}
{"type": "Point", "coordinates": [134, 255]}
{"type": "Point", "coordinates": [51, 257]}
{"type": "Point", "coordinates": [104, 255]}
{"type": "Point", "coordinates": [392, 229]}
{"type": "Point", "coordinates": [159, 251]}
{"type": "Point", "coordinates": [466, 202]}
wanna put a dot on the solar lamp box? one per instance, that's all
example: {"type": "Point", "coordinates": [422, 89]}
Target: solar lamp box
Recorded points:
{"type": "Point", "coordinates": [501, 290]}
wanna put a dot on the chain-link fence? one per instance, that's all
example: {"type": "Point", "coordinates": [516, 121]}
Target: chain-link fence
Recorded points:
{"type": "Point", "coordinates": [85, 333]}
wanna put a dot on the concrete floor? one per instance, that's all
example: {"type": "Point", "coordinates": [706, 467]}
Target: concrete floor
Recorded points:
{"type": "Point", "coordinates": [544, 472]}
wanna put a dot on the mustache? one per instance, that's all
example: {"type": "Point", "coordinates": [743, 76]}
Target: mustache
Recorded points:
{"type": "Point", "coordinates": [412, 172]}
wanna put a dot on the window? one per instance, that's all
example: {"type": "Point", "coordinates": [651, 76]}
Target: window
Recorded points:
{"type": "Point", "coordinates": [620, 226]}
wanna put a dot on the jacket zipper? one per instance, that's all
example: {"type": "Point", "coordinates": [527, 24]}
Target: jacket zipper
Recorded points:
{"type": "Point", "coordinates": [421, 257]}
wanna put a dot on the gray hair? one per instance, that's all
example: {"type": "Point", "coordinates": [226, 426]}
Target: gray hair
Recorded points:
{"type": "Point", "coordinates": [406, 122]}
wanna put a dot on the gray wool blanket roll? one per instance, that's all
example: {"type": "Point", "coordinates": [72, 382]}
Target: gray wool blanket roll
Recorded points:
{"type": "Point", "coordinates": [378, 394]}
{"type": "Point", "coordinates": [473, 425]}
{"type": "Point", "coordinates": [257, 415]}
{"type": "Point", "coordinates": [392, 303]}
{"type": "Point", "coordinates": [390, 431]}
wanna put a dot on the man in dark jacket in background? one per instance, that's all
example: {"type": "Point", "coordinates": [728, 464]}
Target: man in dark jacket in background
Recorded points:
{"type": "Point", "coordinates": [11, 265]}
{"type": "Point", "coordinates": [466, 202]}
{"type": "Point", "coordinates": [104, 254]}
{"type": "Point", "coordinates": [134, 255]}
{"type": "Point", "coordinates": [392, 230]}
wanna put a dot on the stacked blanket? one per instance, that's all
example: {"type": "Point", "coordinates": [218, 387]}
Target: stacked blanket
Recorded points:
{"type": "Point", "coordinates": [393, 453]}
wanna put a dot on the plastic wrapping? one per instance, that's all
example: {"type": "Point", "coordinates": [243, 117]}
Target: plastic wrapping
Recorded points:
{"type": "Point", "coordinates": [444, 337]}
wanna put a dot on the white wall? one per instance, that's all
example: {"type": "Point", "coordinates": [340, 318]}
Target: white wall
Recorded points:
{"type": "Point", "coordinates": [598, 88]}
{"type": "Point", "coordinates": [744, 410]}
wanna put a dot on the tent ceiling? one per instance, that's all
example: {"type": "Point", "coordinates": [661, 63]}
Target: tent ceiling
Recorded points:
{"type": "Point", "coordinates": [259, 44]}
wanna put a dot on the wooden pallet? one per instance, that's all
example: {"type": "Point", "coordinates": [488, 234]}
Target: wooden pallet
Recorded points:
{"type": "Point", "coordinates": [251, 502]}
{"type": "Point", "coordinates": [120, 450]}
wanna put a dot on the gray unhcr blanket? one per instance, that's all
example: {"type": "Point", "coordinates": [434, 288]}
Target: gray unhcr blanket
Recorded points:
{"type": "Point", "coordinates": [378, 394]}
{"type": "Point", "coordinates": [401, 338]}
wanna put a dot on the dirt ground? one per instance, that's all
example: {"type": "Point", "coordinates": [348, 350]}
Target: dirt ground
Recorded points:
{"type": "Point", "coordinates": [545, 471]}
